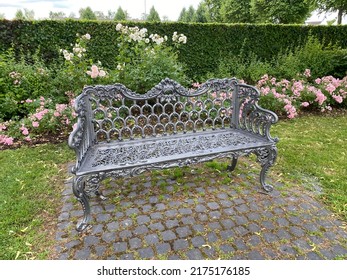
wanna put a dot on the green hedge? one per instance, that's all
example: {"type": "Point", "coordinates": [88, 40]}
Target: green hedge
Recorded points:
{"type": "Point", "coordinates": [207, 43]}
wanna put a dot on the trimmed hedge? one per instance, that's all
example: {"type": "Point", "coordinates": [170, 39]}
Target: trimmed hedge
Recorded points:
{"type": "Point", "coordinates": [206, 45]}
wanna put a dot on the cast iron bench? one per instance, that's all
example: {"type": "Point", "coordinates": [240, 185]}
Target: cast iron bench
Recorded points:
{"type": "Point", "coordinates": [123, 133]}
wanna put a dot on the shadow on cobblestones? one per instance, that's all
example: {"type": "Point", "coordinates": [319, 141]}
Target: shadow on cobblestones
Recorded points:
{"type": "Point", "coordinates": [201, 213]}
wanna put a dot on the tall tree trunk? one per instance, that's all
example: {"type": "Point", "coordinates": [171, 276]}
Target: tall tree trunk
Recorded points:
{"type": "Point", "coordinates": [339, 16]}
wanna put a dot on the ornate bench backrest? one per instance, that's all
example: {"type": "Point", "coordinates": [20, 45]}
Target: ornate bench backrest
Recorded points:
{"type": "Point", "coordinates": [117, 113]}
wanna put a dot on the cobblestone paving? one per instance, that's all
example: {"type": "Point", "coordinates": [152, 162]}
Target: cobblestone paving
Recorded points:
{"type": "Point", "coordinates": [201, 214]}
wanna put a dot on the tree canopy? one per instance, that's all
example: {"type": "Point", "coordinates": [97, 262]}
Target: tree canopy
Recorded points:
{"type": "Point", "coordinates": [153, 15]}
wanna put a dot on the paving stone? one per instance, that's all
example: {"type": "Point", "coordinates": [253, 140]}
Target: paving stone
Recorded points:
{"type": "Point", "coordinates": [156, 216]}
{"type": "Point", "coordinates": [129, 256]}
{"type": "Point", "coordinates": [339, 250]}
{"type": "Point", "coordinates": [194, 254]}
{"type": "Point", "coordinates": [97, 229]}
{"type": "Point", "coordinates": [253, 216]}
{"type": "Point", "coordinates": [171, 223]}
{"type": "Point", "coordinates": [226, 248]}
{"type": "Point", "coordinates": [213, 205]}
{"type": "Point", "coordinates": [109, 237]}
{"type": "Point", "coordinates": [185, 211]}
{"type": "Point", "coordinates": [100, 250]}
{"type": "Point", "coordinates": [302, 244]}
{"type": "Point", "coordinates": [270, 237]}
{"type": "Point", "coordinates": [125, 234]}
{"type": "Point", "coordinates": [72, 244]}
{"type": "Point", "coordinates": [287, 250]}
{"type": "Point", "coordinates": [160, 207]}
{"type": "Point", "coordinates": [168, 235]}
{"type": "Point", "coordinates": [252, 227]}
{"type": "Point", "coordinates": [91, 240]}
{"type": "Point", "coordinates": [238, 201]}
{"type": "Point", "coordinates": [198, 241]}
{"type": "Point", "coordinates": [212, 237]}
{"type": "Point", "coordinates": [200, 208]}
{"type": "Point", "coordinates": [172, 213]}
{"type": "Point", "coordinates": [180, 244]}
{"type": "Point", "coordinates": [183, 231]}
{"type": "Point", "coordinates": [255, 255]}
{"type": "Point", "coordinates": [113, 226]}
{"type": "Point", "coordinates": [241, 220]}
{"type": "Point", "coordinates": [243, 208]}
{"type": "Point", "coordinates": [227, 223]}
{"type": "Point", "coordinates": [310, 227]}
{"type": "Point", "coordinates": [83, 254]}
{"type": "Point", "coordinates": [162, 248]}
{"type": "Point", "coordinates": [328, 254]}
{"type": "Point", "coordinates": [152, 239]}
{"type": "Point", "coordinates": [215, 215]}
{"type": "Point", "coordinates": [132, 211]}
{"type": "Point", "coordinates": [229, 211]}
{"type": "Point", "coordinates": [268, 225]}
{"type": "Point", "coordinates": [254, 240]}
{"type": "Point", "coordinates": [226, 203]}
{"type": "Point", "coordinates": [143, 219]}
{"type": "Point", "coordinates": [157, 226]}
{"type": "Point", "coordinates": [188, 220]}
{"type": "Point", "coordinates": [64, 216]}
{"type": "Point", "coordinates": [240, 245]}
{"type": "Point", "coordinates": [120, 247]}
{"type": "Point", "coordinates": [153, 199]}
{"type": "Point", "coordinates": [146, 208]}
{"type": "Point", "coordinates": [240, 230]}
{"type": "Point", "coordinates": [227, 234]}
{"type": "Point", "coordinates": [198, 228]}
{"type": "Point", "coordinates": [146, 253]}
{"type": "Point", "coordinates": [295, 220]}
{"type": "Point", "coordinates": [313, 256]}
{"type": "Point", "coordinates": [174, 257]}
{"type": "Point", "coordinates": [126, 223]}
{"type": "Point", "coordinates": [214, 226]}
{"type": "Point", "coordinates": [297, 231]}
{"type": "Point", "coordinates": [283, 234]}
{"type": "Point", "coordinates": [282, 222]}
{"type": "Point", "coordinates": [202, 217]}
{"type": "Point", "coordinates": [141, 230]}
{"type": "Point", "coordinates": [135, 243]}
{"type": "Point", "coordinates": [209, 252]}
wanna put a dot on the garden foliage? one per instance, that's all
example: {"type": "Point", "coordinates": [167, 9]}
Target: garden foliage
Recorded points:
{"type": "Point", "coordinates": [37, 96]}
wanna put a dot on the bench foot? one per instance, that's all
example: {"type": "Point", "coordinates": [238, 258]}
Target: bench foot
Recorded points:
{"type": "Point", "coordinates": [267, 157]}
{"type": "Point", "coordinates": [78, 188]}
{"type": "Point", "coordinates": [233, 164]}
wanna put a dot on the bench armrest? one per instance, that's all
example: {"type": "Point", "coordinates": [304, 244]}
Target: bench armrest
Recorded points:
{"type": "Point", "coordinates": [81, 138]}
{"type": "Point", "coordinates": [252, 117]}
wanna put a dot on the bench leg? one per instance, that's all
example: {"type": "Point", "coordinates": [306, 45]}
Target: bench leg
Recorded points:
{"type": "Point", "coordinates": [233, 164]}
{"type": "Point", "coordinates": [93, 184]}
{"type": "Point", "coordinates": [267, 157]}
{"type": "Point", "coordinates": [78, 188]}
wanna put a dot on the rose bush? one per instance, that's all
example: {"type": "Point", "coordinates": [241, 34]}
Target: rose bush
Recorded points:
{"type": "Point", "coordinates": [290, 97]}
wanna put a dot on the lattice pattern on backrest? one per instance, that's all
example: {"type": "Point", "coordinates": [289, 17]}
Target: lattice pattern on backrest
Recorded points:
{"type": "Point", "coordinates": [120, 114]}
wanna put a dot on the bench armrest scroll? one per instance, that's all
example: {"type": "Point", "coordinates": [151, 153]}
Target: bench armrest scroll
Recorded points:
{"type": "Point", "coordinates": [252, 117]}
{"type": "Point", "coordinates": [81, 138]}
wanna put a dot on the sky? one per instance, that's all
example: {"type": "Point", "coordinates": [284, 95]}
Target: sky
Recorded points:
{"type": "Point", "coordinates": [135, 8]}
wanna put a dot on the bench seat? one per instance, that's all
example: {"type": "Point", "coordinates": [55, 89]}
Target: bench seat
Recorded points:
{"type": "Point", "coordinates": [118, 155]}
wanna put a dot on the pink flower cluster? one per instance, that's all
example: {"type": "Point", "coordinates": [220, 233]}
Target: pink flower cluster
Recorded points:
{"type": "Point", "coordinates": [44, 119]}
{"type": "Point", "coordinates": [96, 72]}
{"type": "Point", "coordinates": [296, 94]}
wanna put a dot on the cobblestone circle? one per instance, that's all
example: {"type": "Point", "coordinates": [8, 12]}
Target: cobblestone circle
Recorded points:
{"type": "Point", "coordinates": [205, 214]}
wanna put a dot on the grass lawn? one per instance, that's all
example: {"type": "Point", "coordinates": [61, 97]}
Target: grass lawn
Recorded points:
{"type": "Point", "coordinates": [311, 149]}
